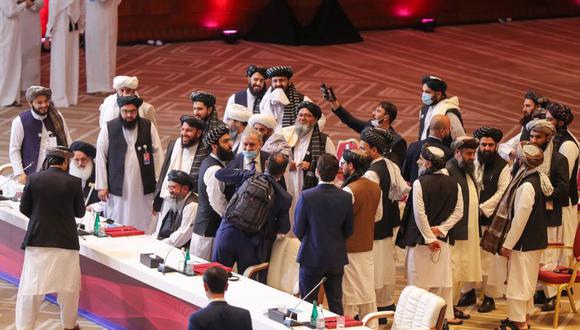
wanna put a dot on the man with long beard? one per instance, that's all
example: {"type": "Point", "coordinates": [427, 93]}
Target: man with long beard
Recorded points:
{"type": "Point", "coordinates": [83, 167]}
{"type": "Point", "coordinates": [129, 156]}
{"type": "Point", "coordinates": [466, 257]}
{"type": "Point", "coordinates": [184, 154]}
{"type": "Point", "coordinates": [251, 96]}
{"type": "Point", "coordinates": [212, 192]}
{"type": "Point", "coordinates": [34, 131]}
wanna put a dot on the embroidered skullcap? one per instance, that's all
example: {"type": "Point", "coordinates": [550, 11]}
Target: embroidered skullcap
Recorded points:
{"type": "Point", "coordinates": [34, 91]}
{"type": "Point", "coordinates": [435, 83]}
{"type": "Point", "coordinates": [560, 112]}
{"type": "Point", "coordinates": [207, 98]}
{"type": "Point", "coordinates": [529, 154]}
{"type": "Point", "coordinates": [358, 159]}
{"type": "Point", "coordinates": [490, 132]}
{"type": "Point", "coordinates": [254, 68]}
{"type": "Point", "coordinates": [84, 147]}
{"type": "Point", "coordinates": [433, 154]}
{"type": "Point", "coordinates": [238, 112]}
{"type": "Point", "coordinates": [464, 142]}
{"type": "Point", "coordinates": [312, 107]}
{"type": "Point", "coordinates": [265, 119]}
{"type": "Point", "coordinates": [376, 137]}
{"type": "Point", "coordinates": [125, 82]}
{"type": "Point", "coordinates": [215, 132]}
{"type": "Point", "coordinates": [59, 151]}
{"type": "Point", "coordinates": [192, 121]}
{"type": "Point", "coordinates": [280, 71]}
{"type": "Point", "coordinates": [541, 125]}
{"type": "Point", "coordinates": [131, 99]}
{"type": "Point", "coordinates": [180, 177]}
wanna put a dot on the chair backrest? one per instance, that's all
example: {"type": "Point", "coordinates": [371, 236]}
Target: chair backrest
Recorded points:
{"type": "Point", "coordinates": [5, 169]}
{"type": "Point", "coordinates": [283, 269]}
{"type": "Point", "coordinates": [418, 309]}
{"type": "Point", "coordinates": [576, 247]}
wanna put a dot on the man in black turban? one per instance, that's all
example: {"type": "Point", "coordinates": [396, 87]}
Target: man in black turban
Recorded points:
{"type": "Point", "coordinates": [129, 110]}
{"type": "Point", "coordinates": [252, 95]}
{"type": "Point", "coordinates": [82, 166]}
{"type": "Point", "coordinates": [203, 104]}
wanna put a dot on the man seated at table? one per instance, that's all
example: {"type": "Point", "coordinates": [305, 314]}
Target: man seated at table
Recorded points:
{"type": "Point", "coordinates": [83, 167]}
{"type": "Point", "coordinates": [218, 314]}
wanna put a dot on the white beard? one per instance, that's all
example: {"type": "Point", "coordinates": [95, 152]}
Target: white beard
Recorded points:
{"type": "Point", "coordinates": [302, 130]}
{"type": "Point", "coordinates": [82, 173]}
{"type": "Point", "coordinates": [422, 170]}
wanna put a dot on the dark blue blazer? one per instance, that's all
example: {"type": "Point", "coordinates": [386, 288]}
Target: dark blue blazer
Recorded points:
{"type": "Point", "coordinates": [237, 163]}
{"type": "Point", "coordinates": [220, 315]}
{"type": "Point", "coordinates": [410, 169]}
{"type": "Point", "coordinates": [322, 222]}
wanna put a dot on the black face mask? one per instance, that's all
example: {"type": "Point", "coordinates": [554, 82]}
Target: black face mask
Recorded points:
{"type": "Point", "coordinates": [129, 124]}
{"type": "Point", "coordinates": [224, 155]}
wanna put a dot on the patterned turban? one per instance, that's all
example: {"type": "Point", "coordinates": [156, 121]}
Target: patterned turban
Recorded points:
{"type": "Point", "coordinates": [253, 69]}
{"type": "Point", "coordinates": [192, 121]}
{"type": "Point", "coordinates": [376, 137]}
{"type": "Point", "coordinates": [131, 99]}
{"type": "Point", "coordinates": [529, 154]}
{"type": "Point", "coordinates": [33, 91]}
{"type": "Point", "coordinates": [59, 151]}
{"type": "Point", "coordinates": [541, 125]}
{"type": "Point", "coordinates": [312, 107]}
{"type": "Point", "coordinates": [86, 148]}
{"type": "Point", "coordinates": [180, 177]}
{"type": "Point", "coordinates": [280, 71]}
{"type": "Point", "coordinates": [125, 82]}
{"type": "Point", "coordinates": [464, 142]}
{"type": "Point", "coordinates": [560, 112]}
{"type": "Point", "coordinates": [433, 154]}
{"type": "Point", "coordinates": [207, 98]}
{"type": "Point", "coordinates": [490, 132]}
{"type": "Point", "coordinates": [435, 83]}
{"type": "Point", "coordinates": [213, 135]}
{"type": "Point", "coordinates": [264, 119]}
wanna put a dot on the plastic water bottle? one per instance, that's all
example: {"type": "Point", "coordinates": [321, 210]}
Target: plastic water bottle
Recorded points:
{"type": "Point", "coordinates": [314, 314]}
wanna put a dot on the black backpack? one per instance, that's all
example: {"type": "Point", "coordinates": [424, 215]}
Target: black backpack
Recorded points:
{"type": "Point", "coordinates": [249, 207]}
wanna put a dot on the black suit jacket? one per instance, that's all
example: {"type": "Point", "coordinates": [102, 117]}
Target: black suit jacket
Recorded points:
{"type": "Point", "coordinates": [410, 169]}
{"type": "Point", "coordinates": [220, 315]}
{"type": "Point", "coordinates": [52, 199]}
{"type": "Point", "coordinates": [559, 179]}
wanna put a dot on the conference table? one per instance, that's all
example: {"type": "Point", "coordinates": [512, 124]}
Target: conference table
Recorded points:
{"type": "Point", "coordinates": [119, 292]}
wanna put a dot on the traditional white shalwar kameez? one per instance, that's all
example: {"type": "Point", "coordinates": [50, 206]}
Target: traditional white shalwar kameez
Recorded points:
{"type": "Point", "coordinates": [48, 270]}
{"type": "Point", "coordinates": [10, 51]}
{"type": "Point", "coordinates": [30, 36]}
{"type": "Point", "coordinates": [441, 109]}
{"type": "Point", "coordinates": [432, 270]}
{"type": "Point", "coordinates": [523, 266]}
{"type": "Point", "coordinates": [133, 207]}
{"type": "Point", "coordinates": [183, 234]}
{"type": "Point", "coordinates": [181, 160]}
{"type": "Point", "coordinates": [507, 147]}
{"type": "Point", "coordinates": [109, 110]}
{"type": "Point", "coordinates": [101, 43]}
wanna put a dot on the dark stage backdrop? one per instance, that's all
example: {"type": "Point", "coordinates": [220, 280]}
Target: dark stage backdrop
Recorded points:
{"type": "Point", "coordinates": [183, 20]}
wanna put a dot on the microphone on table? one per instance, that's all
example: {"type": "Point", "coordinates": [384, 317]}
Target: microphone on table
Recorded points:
{"type": "Point", "coordinates": [288, 321]}
{"type": "Point", "coordinates": [92, 185]}
{"type": "Point", "coordinates": [163, 268]}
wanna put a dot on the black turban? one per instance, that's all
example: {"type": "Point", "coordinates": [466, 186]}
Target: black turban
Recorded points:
{"type": "Point", "coordinates": [489, 132]}
{"type": "Point", "coordinates": [280, 71]}
{"type": "Point", "coordinates": [131, 99]}
{"type": "Point", "coordinates": [360, 161]}
{"type": "Point", "coordinates": [192, 121]}
{"type": "Point", "coordinates": [86, 148]}
{"type": "Point", "coordinates": [180, 177]}
{"type": "Point", "coordinates": [376, 137]}
{"type": "Point", "coordinates": [207, 98]}
{"type": "Point", "coordinates": [433, 154]}
{"type": "Point", "coordinates": [435, 83]}
{"type": "Point", "coordinates": [253, 69]}
{"type": "Point", "coordinates": [464, 142]}
{"type": "Point", "coordinates": [213, 135]}
{"type": "Point", "coordinates": [560, 112]}
{"type": "Point", "coordinates": [312, 107]}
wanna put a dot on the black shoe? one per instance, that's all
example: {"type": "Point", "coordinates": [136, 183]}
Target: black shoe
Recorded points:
{"type": "Point", "coordinates": [460, 314]}
{"type": "Point", "coordinates": [467, 299]}
{"type": "Point", "coordinates": [549, 305]}
{"type": "Point", "coordinates": [391, 307]}
{"type": "Point", "coordinates": [487, 305]}
{"type": "Point", "coordinates": [539, 297]}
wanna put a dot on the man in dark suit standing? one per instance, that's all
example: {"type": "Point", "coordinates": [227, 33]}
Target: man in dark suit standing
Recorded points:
{"type": "Point", "coordinates": [51, 200]}
{"type": "Point", "coordinates": [218, 314]}
{"type": "Point", "coordinates": [323, 221]}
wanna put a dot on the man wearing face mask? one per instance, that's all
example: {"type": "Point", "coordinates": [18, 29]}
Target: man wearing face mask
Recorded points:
{"type": "Point", "coordinates": [271, 141]}
{"type": "Point", "coordinates": [251, 96]}
{"type": "Point", "coordinates": [383, 117]}
{"type": "Point", "coordinates": [466, 258]}
{"type": "Point", "coordinates": [436, 102]}
{"type": "Point", "coordinates": [236, 118]}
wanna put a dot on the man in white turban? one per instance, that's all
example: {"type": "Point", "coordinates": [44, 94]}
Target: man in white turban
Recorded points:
{"type": "Point", "coordinates": [236, 117]}
{"type": "Point", "coordinates": [124, 86]}
{"type": "Point", "coordinates": [265, 124]}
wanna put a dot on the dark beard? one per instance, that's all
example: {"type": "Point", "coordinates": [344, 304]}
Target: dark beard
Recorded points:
{"type": "Point", "coordinates": [525, 119]}
{"type": "Point", "coordinates": [486, 157]}
{"type": "Point", "coordinates": [189, 144]}
{"type": "Point", "coordinates": [224, 155]}
{"type": "Point", "coordinates": [465, 167]}
{"type": "Point", "coordinates": [259, 93]}
{"type": "Point", "coordinates": [38, 112]}
{"type": "Point", "coordinates": [129, 124]}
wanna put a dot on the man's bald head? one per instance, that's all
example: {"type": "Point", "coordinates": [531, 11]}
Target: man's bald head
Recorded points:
{"type": "Point", "coordinates": [440, 126]}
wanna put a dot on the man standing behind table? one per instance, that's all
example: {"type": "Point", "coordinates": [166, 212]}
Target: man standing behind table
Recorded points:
{"type": "Point", "coordinates": [51, 199]}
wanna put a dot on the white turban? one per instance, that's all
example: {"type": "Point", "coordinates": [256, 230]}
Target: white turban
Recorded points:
{"type": "Point", "coordinates": [125, 82]}
{"type": "Point", "coordinates": [238, 112]}
{"type": "Point", "coordinates": [263, 119]}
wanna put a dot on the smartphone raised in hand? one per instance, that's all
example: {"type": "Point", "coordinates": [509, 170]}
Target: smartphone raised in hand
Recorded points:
{"type": "Point", "coordinates": [327, 92]}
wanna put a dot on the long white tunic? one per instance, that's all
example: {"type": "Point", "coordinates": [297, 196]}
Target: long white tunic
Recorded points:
{"type": "Point", "coordinates": [10, 51]}
{"type": "Point", "coordinates": [109, 110]}
{"type": "Point", "coordinates": [133, 207]}
{"type": "Point", "coordinates": [64, 51]}
{"type": "Point", "coordinates": [48, 270]}
{"type": "Point", "coordinates": [30, 36]}
{"type": "Point", "coordinates": [569, 213]}
{"type": "Point", "coordinates": [101, 43]}
{"type": "Point", "coordinates": [181, 159]}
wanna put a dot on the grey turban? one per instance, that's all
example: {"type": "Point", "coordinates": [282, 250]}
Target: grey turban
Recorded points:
{"type": "Point", "coordinates": [33, 91]}
{"type": "Point", "coordinates": [464, 142]}
{"type": "Point", "coordinates": [529, 154]}
{"type": "Point", "coordinates": [541, 125]}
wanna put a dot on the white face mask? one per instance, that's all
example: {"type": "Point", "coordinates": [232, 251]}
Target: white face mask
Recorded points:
{"type": "Point", "coordinates": [279, 96]}
{"type": "Point", "coordinates": [378, 122]}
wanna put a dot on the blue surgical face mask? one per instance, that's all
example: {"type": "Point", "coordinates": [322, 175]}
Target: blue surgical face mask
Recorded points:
{"type": "Point", "coordinates": [250, 154]}
{"type": "Point", "coordinates": [426, 98]}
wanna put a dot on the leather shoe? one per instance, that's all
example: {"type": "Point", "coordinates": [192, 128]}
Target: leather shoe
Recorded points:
{"type": "Point", "coordinates": [467, 299]}
{"type": "Point", "coordinates": [391, 307]}
{"type": "Point", "coordinates": [539, 297]}
{"type": "Point", "coordinates": [487, 305]}
{"type": "Point", "coordinates": [549, 305]}
{"type": "Point", "coordinates": [460, 314]}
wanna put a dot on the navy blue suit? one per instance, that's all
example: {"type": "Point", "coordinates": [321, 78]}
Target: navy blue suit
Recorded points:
{"type": "Point", "coordinates": [232, 245]}
{"type": "Point", "coordinates": [323, 221]}
{"type": "Point", "coordinates": [410, 169]}
{"type": "Point", "coordinates": [238, 163]}
{"type": "Point", "coordinates": [219, 315]}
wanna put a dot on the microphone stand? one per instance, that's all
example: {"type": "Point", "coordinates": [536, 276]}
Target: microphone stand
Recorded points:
{"type": "Point", "coordinates": [288, 321]}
